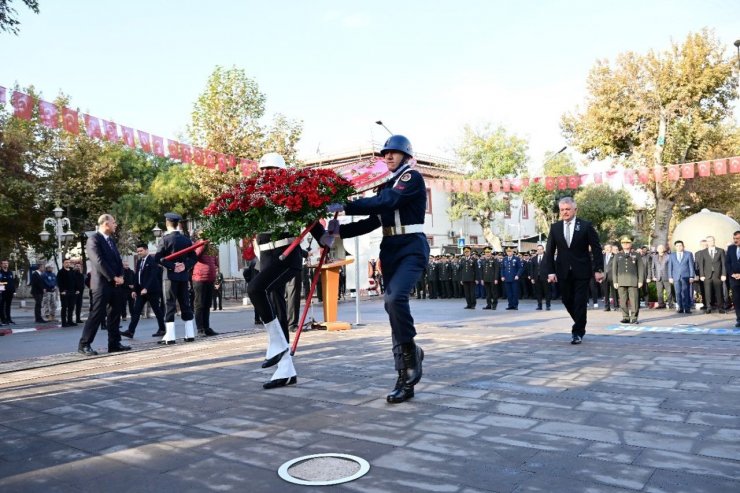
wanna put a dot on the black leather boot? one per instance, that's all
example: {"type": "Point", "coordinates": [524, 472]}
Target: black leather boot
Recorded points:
{"type": "Point", "coordinates": [412, 357]}
{"type": "Point", "coordinates": [402, 391]}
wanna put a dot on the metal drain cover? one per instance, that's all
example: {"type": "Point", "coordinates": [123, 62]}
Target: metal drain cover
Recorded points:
{"type": "Point", "coordinates": [323, 469]}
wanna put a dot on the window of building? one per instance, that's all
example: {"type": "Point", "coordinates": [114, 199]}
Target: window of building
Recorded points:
{"type": "Point", "coordinates": [473, 240]}
{"type": "Point", "coordinates": [507, 208]}
{"type": "Point", "coordinates": [525, 211]}
{"type": "Point", "coordinates": [430, 240]}
{"type": "Point", "coordinates": [429, 201]}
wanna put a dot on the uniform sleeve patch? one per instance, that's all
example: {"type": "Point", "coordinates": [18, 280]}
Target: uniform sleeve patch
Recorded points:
{"type": "Point", "coordinates": [406, 177]}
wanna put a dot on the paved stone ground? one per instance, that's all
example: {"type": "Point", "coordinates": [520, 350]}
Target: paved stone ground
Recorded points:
{"type": "Point", "coordinates": [506, 405]}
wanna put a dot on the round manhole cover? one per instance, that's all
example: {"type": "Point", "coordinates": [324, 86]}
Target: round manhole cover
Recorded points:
{"type": "Point", "coordinates": [323, 469]}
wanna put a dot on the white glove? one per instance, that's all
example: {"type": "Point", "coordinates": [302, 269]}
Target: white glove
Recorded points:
{"type": "Point", "coordinates": [326, 240]}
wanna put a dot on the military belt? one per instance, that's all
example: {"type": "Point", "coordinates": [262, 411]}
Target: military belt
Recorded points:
{"type": "Point", "coordinates": [403, 230]}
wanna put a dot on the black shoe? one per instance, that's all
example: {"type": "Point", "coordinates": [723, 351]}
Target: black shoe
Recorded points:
{"type": "Point", "coordinates": [486, 308]}
{"type": "Point", "coordinates": [159, 334]}
{"type": "Point", "coordinates": [65, 325]}
{"type": "Point", "coordinates": [494, 307]}
{"type": "Point", "coordinates": [687, 312]}
{"type": "Point", "coordinates": [127, 333]}
{"type": "Point", "coordinates": [576, 340]}
{"type": "Point", "coordinates": [258, 322]}
{"type": "Point", "coordinates": [40, 321]}
{"type": "Point", "coordinates": [709, 310]}
{"type": "Point", "coordinates": [72, 324]}
{"type": "Point", "coordinates": [189, 339]}
{"type": "Point", "coordinates": [607, 309]}
{"type": "Point", "coordinates": [118, 349]}
{"type": "Point", "coordinates": [624, 321]}
{"type": "Point", "coordinates": [539, 307]}
{"type": "Point", "coordinates": [547, 308]}
{"type": "Point", "coordinates": [210, 332]}
{"type": "Point", "coordinates": [87, 350]}
{"type": "Point", "coordinates": [78, 321]}
{"type": "Point", "coordinates": [737, 324]}
{"type": "Point", "coordinates": [11, 322]}
{"type": "Point", "coordinates": [167, 343]}
{"type": "Point", "coordinates": [510, 308]}
{"type": "Point", "coordinates": [402, 391]}
{"type": "Point", "coordinates": [124, 318]}
{"type": "Point", "coordinates": [280, 382]}
{"type": "Point", "coordinates": [412, 356]}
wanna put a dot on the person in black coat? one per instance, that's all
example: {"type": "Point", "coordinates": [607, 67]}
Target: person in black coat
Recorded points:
{"type": "Point", "coordinates": [147, 289]}
{"type": "Point", "coordinates": [37, 291]}
{"type": "Point", "coordinates": [66, 284]}
{"type": "Point", "coordinates": [7, 286]}
{"type": "Point", "coordinates": [539, 278]}
{"type": "Point", "coordinates": [79, 278]}
{"type": "Point", "coordinates": [573, 240]}
{"type": "Point", "coordinates": [128, 288]}
{"type": "Point", "coordinates": [732, 268]}
{"type": "Point", "coordinates": [106, 281]}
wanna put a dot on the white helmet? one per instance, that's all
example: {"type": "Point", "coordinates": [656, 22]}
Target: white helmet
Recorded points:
{"type": "Point", "coordinates": [272, 160]}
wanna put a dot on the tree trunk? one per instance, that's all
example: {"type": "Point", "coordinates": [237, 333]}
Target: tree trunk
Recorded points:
{"type": "Point", "coordinates": [492, 239]}
{"type": "Point", "coordinates": [663, 213]}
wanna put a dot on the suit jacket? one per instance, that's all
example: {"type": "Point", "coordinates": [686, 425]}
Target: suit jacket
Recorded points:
{"type": "Point", "coordinates": [608, 266]}
{"type": "Point", "coordinates": [66, 281]}
{"type": "Point", "coordinates": [683, 269]}
{"type": "Point", "coordinates": [711, 267]}
{"type": "Point", "coordinates": [538, 268]}
{"type": "Point", "coordinates": [37, 283]}
{"type": "Point", "coordinates": [174, 242]}
{"type": "Point", "coordinates": [659, 267]}
{"type": "Point", "coordinates": [732, 265]}
{"type": "Point", "coordinates": [576, 258]}
{"type": "Point", "coordinates": [105, 262]}
{"type": "Point", "coordinates": [148, 276]}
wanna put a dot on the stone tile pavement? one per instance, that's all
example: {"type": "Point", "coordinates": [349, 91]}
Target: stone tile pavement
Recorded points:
{"type": "Point", "coordinates": [506, 405]}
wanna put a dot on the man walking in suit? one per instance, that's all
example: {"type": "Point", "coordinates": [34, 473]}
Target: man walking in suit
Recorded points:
{"type": "Point", "coordinates": [732, 266]}
{"type": "Point", "coordinates": [574, 240]}
{"type": "Point", "coordinates": [713, 274]}
{"type": "Point", "coordinates": [681, 275]}
{"type": "Point", "coordinates": [106, 281]}
{"type": "Point", "coordinates": [539, 278]}
{"type": "Point", "coordinates": [147, 289]}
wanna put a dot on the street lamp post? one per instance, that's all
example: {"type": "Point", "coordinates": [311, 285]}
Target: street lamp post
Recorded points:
{"type": "Point", "coordinates": [58, 223]}
{"type": "Point", "coordinates": [737, 45]}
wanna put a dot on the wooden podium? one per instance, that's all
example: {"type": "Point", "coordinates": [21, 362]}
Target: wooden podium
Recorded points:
{"type": "Point", "coordinates": [330, 284]}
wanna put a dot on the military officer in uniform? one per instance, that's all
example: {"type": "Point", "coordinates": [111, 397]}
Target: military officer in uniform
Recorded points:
{"type": "Point", "coordinates": [628, 273]}
{"type": "Point", "coordinates": [445, 273]}
{"type": "Point", "coordinates": [399, 208]}
{"type": "Point", "coordinates": [511, 269]}
{"type": "Point", "coordinates": [176, 284]}
{"type": "Point", "coordinates": [433, 278]}
{"type": "Point", "coordinates": [490, 273]}
{"type": "Point", "coordinates": [469, 274]}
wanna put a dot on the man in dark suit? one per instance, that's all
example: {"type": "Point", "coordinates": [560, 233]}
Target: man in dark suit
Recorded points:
{"type": "Point", "coordinates": [732, 267]}
{"type": "Point", "coordinates": [681, 275]}
{"type": "Point", "coordinates": [147, 289]}
{"type": "Point", "coordinates": [79, 278]}
{"type": "Point", "coordinates": [66, 283]}
{"type": "Point", "coordinates": [712, 273]}
{"type": "Point", "coordinates": [539, 278]}
{"type": "Point", "coordinates": [7, 290]}
{"type": "Point", "coordinates": [178, 278]}
{"type": "Point", "coordinates": [578, 258]}
{"type": "Point", "coordinates": [37, 291]}
{"type": "Point", "coordinates": [106, 281]}
{"type": "Point", "coordinates": [607, 285]}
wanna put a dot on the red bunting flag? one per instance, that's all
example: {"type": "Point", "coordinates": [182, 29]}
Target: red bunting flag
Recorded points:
{"type": "Point", "coordinates": [735, 165]}
{"type": "Point", "coordinates": [3, 96]}
{"type": "Point", "coordinates": [221, 160]}
{"type": "Point", "coordinates": [495, 186]}
{"type": "Point", "coordinates": [687, 171]}
{"type": "Point", "coordinates": [210, 159]}
{"type": "Point", "coordinates": [574, 182]}
{"type": "Point", "coordinates": [128, 136]}
{"type": "Point", "coordinates": [516, 185]}
{"type": "Point", "coordinates": [173, 149]}
{"type": "Point", "coordinates": [549, 183]}
{"type": "Point", "coordinates": [674, 173]}
{"type": "Point", "coordinates": [248, 166]}
{"type": "Point", "coordinates": [22, 105]}
{"type": "Point", "coordinates": [562, 182]}
{"type": "Point", "coordinates": [506, 185]}
{"type": "Point", "coordinates": [704, 168]}
{"type": "Point", "coordinates": [231, 161]}
{"type": "Point", "coordinates": [111, 131]}
{"type": "Point", "coordinates": [658, 172]}
{"type": "Point", "coordinates": [448, 186]}
{"type": "Point", "coordinates": [145, 141]}
{"type": "Point", "coordinates": [48, 114]}
{"type": "Point", "coordinates": [70, 121]}
{"type": "Point", "coordinates": [199, 157]}
{"type": "Point", "coordinates": [629, 176]}
{"type": "Point", "coordinates": [598, 179]}
{"type": "Point", "coordinates": [720, 167]}
{"type": "Point", "coordinates": [185, 154]}
{"type": "Point", "coordinates": [643, 174]}
{"type": "Point", "coordinates": [158, 145]}
{"type": "Point", "coordinates": [92, 127]}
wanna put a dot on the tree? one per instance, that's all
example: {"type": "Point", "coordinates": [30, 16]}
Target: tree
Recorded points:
{"type": "Point", "coordinates": [490, 153]}
{"type": "Point", "coordinates": [546, 202]}
{"type": "Point", "coordinates": [663, 107]}
{"type": "Point", "coordinates": [609, 210]}
{"type": "Point", "coordinates": [8, 20]}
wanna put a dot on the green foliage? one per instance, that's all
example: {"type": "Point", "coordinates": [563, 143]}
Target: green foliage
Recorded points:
{"type": "Point", "coordinates": [546, 202]}
{"type": "Point", "coordinates": [609, 210]}
{"type": "Point", "coordinates": [8, 21]}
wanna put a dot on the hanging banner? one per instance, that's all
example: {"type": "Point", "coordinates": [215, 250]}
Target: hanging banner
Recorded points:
{"type": "Point", "coordinates": [574, 182]}
{"type": "Point", "coordinates": [128, 136]}
{"type": "Point", "coordinates": [185, 154]}
{"type": "Point", "coordinates": [145, 141]}
{"type": "Point", "coordinates": [198, 156]}
{"type": "Point", "coordinates": [111, 131]}
{"type": "Point", "coordinates": [673, 172]}
{"type": "Point", "coordinates": [158, 145]}
{"type": "Point", "coordinates": [704, 168]}
{"type": "Point", "coordinates": [70, 121]}
{"type": "Point", "coordinates": [92, 127]}
{"type": "Point", "coordinates": [643, 174]}
{"type": "Point", "coordinates": [22, 105]}
{"type": "Point", "coordinates": [48, 114]}
{"type": "Point", "coordinates": [720, 167]}
{"type": "Point", "coordinates": [735, 165]}
{"type": "Point", "coordinates": [173, 149]}
{"type": "Point", "coordinates": [687, 171]}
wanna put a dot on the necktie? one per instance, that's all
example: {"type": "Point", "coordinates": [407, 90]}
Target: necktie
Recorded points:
{"type": "Point", "coordinates": [680, 256]}
{"type": "Point", "coordinates": [567, 232]}
{"type": "Point", "coordinates": [711, 253]}
{"type": "Point", "coordinates": [539, 259]}
{"type": "Point", "coordinates": [737, 252]}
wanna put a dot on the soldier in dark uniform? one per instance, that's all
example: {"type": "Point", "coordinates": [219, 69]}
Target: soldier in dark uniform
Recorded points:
{"type": "Point", "coordinates": [399, 208]}
{"type": "Point", "coordinates": [539, 278]}
{"type": "Point", "coordinates": [178, 277]}
{"type": "Point", "coordinates": [433, 278]}
{"type": "Point", "coordinates": [469, 275]}
{"type": "Point", "coordinates": [490, 274]}
{"type": "Point", "coordinates": [444, 276]}
{"type": "Point", "coordinates": [511, 270]}
{"type": "Point", "coordinates": [7, 289]}
{"type": "Point", "coordinates": [628, 274]}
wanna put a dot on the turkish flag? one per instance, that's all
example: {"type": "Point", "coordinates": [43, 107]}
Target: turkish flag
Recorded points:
{"type": "Point", "coordinates": [466, 186]}
{"type": "Point", "coordinates": [505, 185]}
{"type": "Point", "coordinates": [128, 136]}
{"type": "Point", "coordinates": [674, 173]}
{"type": "Point", "coordinates": [231, 161]}
{"type": "Point", "coordinates": [210, 159]}
{"type": "Point", "coordinates": [48, 114]}
{"type": "Point", "coordinates": [248, 166]}
{"type": "Point", "coordinates": [447, 185]}
{"type": "Point", "coordinates": [704, 168]}
{"type": "Point", "coordinates": [629, 176]}
{"type": "Point", "coordinates": [185, 154]}
{"type": "Point", "coordinates": [735, 165]}
{"type": "Point", "coordinates": [516, 184]}
{"type": "Point", "coordinates": [562, 182]}
{"type": "Point", "coordinates": [145, 141]}
{"type": "Point", "coordinates": [643, 174]}
{"type": "Point", "coordinates": [525, 182]}
{"type": "Point", "coordinates": [221, 159]}
{"type": "Point", "coordinates": [92, 127]}
{"type": "Point", "coordinates": [598, 179]}
{"type": "Point", "coordinates": [173, 149]}
{"type": "Point", "coordinates": [687, 171]}
{"type": "Point", "coordinates": [198, 156]}
{"type": "Point", "coordinates": [574, 182]}
{"type": "Point", "coordinates": [496, 186]}
{"type": "Point", "coordinates": [70, 121]}
{"type": "Point", "coordinates": [720, 167]}
{"type": "Point", "coordinates": [549, 183]}
{"type": "Point", "coordinates": [22, 105]}
{"type": "Point", "coordinates": [111, 131]}
{"type": "Point", "coordinates": [658, 172]}
{"type": "Point", "coordinates": [158, 145]}
{"type": "Point", "coordinates": [3, 96]}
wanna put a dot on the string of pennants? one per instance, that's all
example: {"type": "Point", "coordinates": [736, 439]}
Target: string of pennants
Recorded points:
{"type": "Point", "coordinates": [51, 116]}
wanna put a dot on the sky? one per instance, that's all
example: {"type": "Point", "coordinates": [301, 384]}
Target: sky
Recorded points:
{"type": "Point", "coordinates": [425, 68]}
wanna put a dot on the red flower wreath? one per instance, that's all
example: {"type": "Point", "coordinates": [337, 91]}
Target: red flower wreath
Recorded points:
{"type": "Point", "coordinates": [275, 200]}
